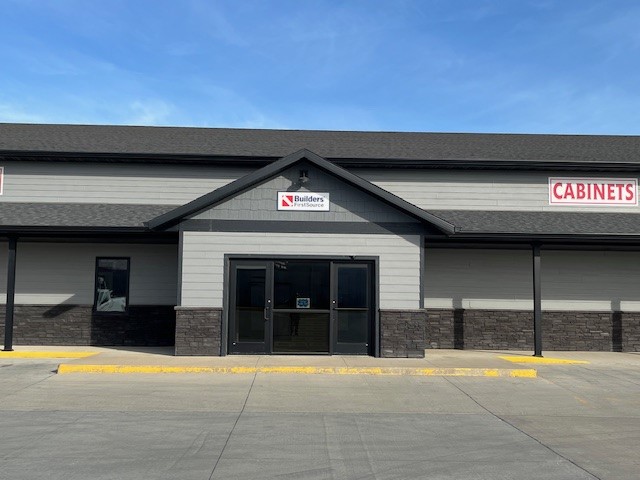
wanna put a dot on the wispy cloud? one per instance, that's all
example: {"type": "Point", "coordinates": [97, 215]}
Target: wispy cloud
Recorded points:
{"type": "Point", "coordinates": [215, 24]}
{"type": "Point", "coordinates": [149, 112]}
{"type": "Point", "coordinates": [617, 32]}
{"type": "Point", "coordinates": [182, 49]}
{"type": "Point", "coordinates": [219, 105]}
{"type": "Point", "coordinates": [471, 65]}
{"type": "Point", "coordinates": [17, 114]}
{"type": "Point", "coordinates": [32, 55]}
{"type": "Point", "coordinates": [259, 120]}
{"type": "Point", "coordinates": [557, 107]}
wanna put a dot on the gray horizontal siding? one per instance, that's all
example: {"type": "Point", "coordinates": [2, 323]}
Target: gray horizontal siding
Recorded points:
{"type": "Point", "coordinates": [52, 274]}
{"type": "Point", "coordinates": [481, 279]}
{"type": "Point", "coordinates": [592, 281]}
{"type": "Point", "coordinates": [502, 280]}
{"type": "Point", "coordinates": [479, 190]}
{"type": "Point", "coordinates": [112, 183]}
{"type": "Point", "coordinates": [179, 184]}
{"type": "Point", "coordinates": [203, 261]}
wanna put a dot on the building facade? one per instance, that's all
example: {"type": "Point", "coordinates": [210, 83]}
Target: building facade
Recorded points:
{"type": "Point", "coordinates": [225, 241]}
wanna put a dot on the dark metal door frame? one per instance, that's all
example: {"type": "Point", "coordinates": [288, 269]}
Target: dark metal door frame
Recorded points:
{"type": "Point", "coordinates": [352, 348]}
{"type": "Point", "coordinates": [251, 347]}
{"type": "Point", "coordinates": [259, 261]}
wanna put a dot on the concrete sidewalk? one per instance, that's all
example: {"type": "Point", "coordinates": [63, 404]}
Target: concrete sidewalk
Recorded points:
{"type": "Point", "coordinates": [435, 363]}
{"type": "Point", "coordinates": [158, 361]}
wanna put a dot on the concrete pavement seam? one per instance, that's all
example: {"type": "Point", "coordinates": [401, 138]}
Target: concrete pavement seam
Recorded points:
{"type": "Point", "coordinates": [521, 431]}
{"type": "Point", "coordinates": [244, 405]}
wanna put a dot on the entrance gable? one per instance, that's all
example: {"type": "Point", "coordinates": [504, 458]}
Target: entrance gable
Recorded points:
{"type": "Point", "coordinates": [346, 203]}
{"type": "Point", "coordinates": [360, 201]}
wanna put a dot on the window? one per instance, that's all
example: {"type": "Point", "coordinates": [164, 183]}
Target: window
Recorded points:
{"type": "Point", "coordinates": [112, 284]}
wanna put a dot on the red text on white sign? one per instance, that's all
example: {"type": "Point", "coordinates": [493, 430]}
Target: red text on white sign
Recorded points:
{"type": "Point", "coordinates": [593, 191]}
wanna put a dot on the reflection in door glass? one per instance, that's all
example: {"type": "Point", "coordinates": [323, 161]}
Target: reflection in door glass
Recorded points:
{"type": "Point", "coordinates": [250, 304]}
{"type": "Point", "coordinates": [352, 287]}
{"type": "Point", "coordinates": [299, 283]}
{"type": "Point", "coordinates": [353, 326]}
{"type": "Point", "coordinates": [300, 332]}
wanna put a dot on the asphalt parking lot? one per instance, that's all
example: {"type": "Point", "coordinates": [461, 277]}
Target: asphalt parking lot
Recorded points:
{"type": "Point", "coordinates": [572, 422]}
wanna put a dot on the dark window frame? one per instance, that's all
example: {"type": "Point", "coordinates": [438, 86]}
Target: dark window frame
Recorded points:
{"type": "Point", "coordinates": [95, 287]}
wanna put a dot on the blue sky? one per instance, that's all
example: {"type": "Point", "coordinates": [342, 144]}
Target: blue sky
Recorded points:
{"type": "Point", "coordinates": [531, 66]}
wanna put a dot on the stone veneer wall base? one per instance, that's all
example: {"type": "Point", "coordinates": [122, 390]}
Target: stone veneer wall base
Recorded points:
{"type": "Point", "coordinates": [402, 333]}
{"type": "Point", "coordinates": [513, 330]}
{"type": "Point", "coordinates": [198, 331]}
{"type": "Point", "coordinates": [141, 325]}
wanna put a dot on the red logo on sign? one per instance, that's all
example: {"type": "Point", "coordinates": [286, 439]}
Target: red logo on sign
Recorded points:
{"type": "Point", "coordinates": [287, 201]}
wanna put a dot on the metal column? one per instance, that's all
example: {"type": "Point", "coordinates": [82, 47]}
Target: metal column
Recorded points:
{"type": "Point", "coordinates": [11, 291]}
{"type": "Point", "coordinates": [537, 302]}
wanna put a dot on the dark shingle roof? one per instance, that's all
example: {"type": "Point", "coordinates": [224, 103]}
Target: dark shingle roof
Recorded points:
{"type": "Point", "coordinates": [335, 145]}
{"type": "Point", "coordinates": [541, 223]}
{"type": "Point", "coordinates": [82, 215]}
{"type": "Point", "coordinates": [91, 215]}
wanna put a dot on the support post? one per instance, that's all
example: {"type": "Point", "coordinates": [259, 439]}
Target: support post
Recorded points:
{"type": "Point", "coordinates": [537, 302]}
{"type": "Point", "coordinates": [11, 292]}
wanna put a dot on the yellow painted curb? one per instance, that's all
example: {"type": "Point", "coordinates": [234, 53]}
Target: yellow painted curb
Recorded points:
{"type": "Point", "coordinates": [65, 368]}
{"type": "Point", "coordinates": [542, 360]}
{"type": "Point", "coordinates": [44, 354]}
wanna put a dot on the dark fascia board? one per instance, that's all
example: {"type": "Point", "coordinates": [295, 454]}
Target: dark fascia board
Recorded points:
{"type": "Point", "coordinates": [171, 218]}
{"type": "Point", "coordinates": [542, 238]}
{"type": "Point", "coordinates": [489, 164]}
{"type": "Point", "coordinates": [111, 238]}
{"type": "Point", "coordinates": [151, 158]}
{"type": "Point", "coordinates": [566, 244]}
{"type": "Point", "coordinates": [270, 226]}
{"type": "Point", "coordinates": [250, 161]}
{"type": "Point", "coordinates": [53, 230]}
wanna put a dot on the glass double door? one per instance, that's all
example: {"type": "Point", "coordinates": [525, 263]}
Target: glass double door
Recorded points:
{"type": "Point", "coordinates": [301, 306]}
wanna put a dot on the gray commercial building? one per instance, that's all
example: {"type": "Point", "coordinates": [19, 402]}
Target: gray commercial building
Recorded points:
{"type": "Point", "coordinates": [223, 241]}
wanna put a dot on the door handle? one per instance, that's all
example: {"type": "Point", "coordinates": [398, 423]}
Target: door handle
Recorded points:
{"type": "Point", "coordinates": [267, 307]}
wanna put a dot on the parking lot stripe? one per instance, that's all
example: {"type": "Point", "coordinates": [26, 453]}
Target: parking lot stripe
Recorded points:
{"type": "Point", "coordinates": [46, 354]}
{"type": "Point", "coordinates": [541, 360]}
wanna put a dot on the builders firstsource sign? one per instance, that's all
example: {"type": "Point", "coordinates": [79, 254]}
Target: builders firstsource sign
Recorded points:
{"type": "Point", "coordinates": [593, 191]}
{"type": "Point", "coordinates": [305, 201]}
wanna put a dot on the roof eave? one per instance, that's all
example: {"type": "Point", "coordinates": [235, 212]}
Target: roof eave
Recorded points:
{"type": "Point", "coordinates": [17, 229]}
{"type": "Point", "coordinates": [250, 160]}
{"type": "Point", "coordinates": [545, 237]}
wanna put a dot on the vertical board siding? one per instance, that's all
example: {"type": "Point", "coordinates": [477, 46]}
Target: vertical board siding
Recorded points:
{"type": "Point", "coordinates": [203, 261]}
{"type": "Point", "coordinates": [112, 183]}
{"type": "Point", "coordinates": [480, 190]}
{"type": "Point", "coordinates": [502, 280]}
{"type": "Point", "coordinates": [52, 274]}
